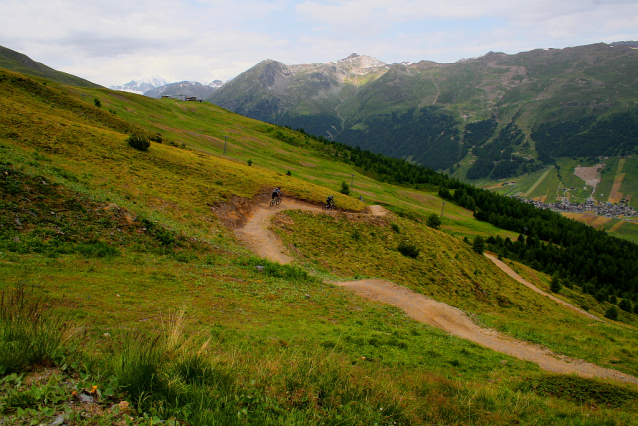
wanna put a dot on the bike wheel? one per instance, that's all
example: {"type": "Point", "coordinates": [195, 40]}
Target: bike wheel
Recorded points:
{"type": "Point", "coordinates": [278, 200]}
{"type": "Point", "coordinates": [272, 202]}
{"type": "Point", "coordinates": [326, 206]}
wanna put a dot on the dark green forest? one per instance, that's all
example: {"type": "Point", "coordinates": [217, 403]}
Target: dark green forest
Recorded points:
{"type": "Point", "coordinates": [613, 135]}
{"type": "Point", "coordinates": [580, 255]}
{"type": "Point", "coordinates": [496, 159]}
{"type": "Point", "coordinates": [426, 136]}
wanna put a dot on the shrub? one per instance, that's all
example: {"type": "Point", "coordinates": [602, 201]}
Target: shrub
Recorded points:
{"type": "Point", "coordinates": [433, 221]}
{"type": "Point", "coordinates": [97, 102]}
{"type": "Point", "coordinates": [250, 162]}
{"type": "Point", "coordinates": [139, 142]}
{"type": "Point", "coordinates": [601, 296]}
{"type": "Point", "coordinates": [408, 249]}
{"type": "Point", "coordinates": [555, 285]}
{"type": "Point", "coordinates": [625, 305]}
{"type": "Point", "coordinates": [612, 313]}
{"type": "Point", "coordinates": [288, 173]}
{"type": "Point", "coordinates": [345, 189]}
{"type": "Point", "coordinates": [157, 137]}
{"type": "Point", "coordinates": [478, 245]}
{"type": "Point", "coordinates": [395, 228]}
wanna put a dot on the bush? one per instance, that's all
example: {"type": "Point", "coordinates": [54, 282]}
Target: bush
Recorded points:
{"type": "Point", "coordinates": [625, 305]}
{"type": "Point", "coordinates": [408, 249]}
{"type": "Point", "coordinates": [612, 313]}
{"type": "Point", "coordinates": [345, 189]}
{"type": "Point", "coordinates": [433, 221]}
{"type": "Point", "coordinates": [139, 142]}
{"type": "Point", "coordinates": [97, 102]}
{"type": "Point", "coordinates": [478, 245]}
{"type": "Point", "coordinates": [157, 137]}
{"type": "Point", "coordinates": [555, 285]}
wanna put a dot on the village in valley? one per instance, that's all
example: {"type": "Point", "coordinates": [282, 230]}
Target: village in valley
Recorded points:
{"type": "Point", "coordinates": [616, 207]}
{"type": "Point", "coordinates": [590, 206]}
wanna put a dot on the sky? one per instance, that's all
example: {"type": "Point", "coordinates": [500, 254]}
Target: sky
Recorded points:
{"type": "Point", "coordinates": [112, 43]}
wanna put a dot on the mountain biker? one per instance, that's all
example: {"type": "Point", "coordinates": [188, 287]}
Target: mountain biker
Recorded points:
{"type": "Point", "coordinates": [276, 192]}
{"type": "Point", "coordinates": [330, 201]}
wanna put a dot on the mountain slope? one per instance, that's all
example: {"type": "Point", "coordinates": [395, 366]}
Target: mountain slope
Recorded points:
{"type": "Point", "coordinates": [125, 238]}
{"type": "Point", "coordinates": [532, 92]}
{"type": "Point", "coordinates": [14, 61]}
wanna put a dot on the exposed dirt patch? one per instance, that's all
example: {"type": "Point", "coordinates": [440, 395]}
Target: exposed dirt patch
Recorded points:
{"type": "Point", "coordinates": [259, 238]}
{"type": "Point", "coordinates": [589, 174]}
{"type": "Point", "coordinates": [235, 213]}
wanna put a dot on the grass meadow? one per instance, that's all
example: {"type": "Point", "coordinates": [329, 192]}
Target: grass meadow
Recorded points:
{"type": "Point", "coordinates": [126, 300]}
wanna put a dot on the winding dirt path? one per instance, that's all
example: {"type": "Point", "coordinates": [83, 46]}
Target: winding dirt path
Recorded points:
{"type": "Point", "coordinates": [509, 271]}
{"type": "Point", "coordinates": [263, 242]}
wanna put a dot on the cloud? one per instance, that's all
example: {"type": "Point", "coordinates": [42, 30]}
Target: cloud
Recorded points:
{"type": "Point", "coordinates": [213, 39]}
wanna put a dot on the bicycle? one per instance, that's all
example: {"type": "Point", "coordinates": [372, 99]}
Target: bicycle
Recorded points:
{"type": "Point", "coordinates": [275, 201]}
{"type": "Point", "coordinates": [330, 206]}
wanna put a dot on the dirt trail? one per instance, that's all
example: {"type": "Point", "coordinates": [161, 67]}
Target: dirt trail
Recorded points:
{"type": "Point", "coordinates": [263, 241]}
{"type": "Point", "coordinates": [526, 283]}
{"type": "Point", "coordinates": [421, 308]}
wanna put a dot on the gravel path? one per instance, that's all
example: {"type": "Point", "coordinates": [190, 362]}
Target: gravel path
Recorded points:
{"type": "Point", "coordinates": [256, 235]}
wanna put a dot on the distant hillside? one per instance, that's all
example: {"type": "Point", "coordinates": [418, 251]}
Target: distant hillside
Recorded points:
{"type": "Point", "coordinates": [14, 61]}
{"type": "Point", "coordinates": [510, 114]}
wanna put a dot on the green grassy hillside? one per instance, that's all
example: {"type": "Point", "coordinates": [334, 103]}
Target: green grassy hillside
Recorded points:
{"type": "Point", "coordinates": [126, 266]}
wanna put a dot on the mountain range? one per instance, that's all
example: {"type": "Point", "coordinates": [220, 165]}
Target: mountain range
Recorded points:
{"type": "Point", "coordinates": [140, 86]}
{"type": "Point", "coordinates": [499, 114]}
{"type": "Point", "coordinates": [185, 89]}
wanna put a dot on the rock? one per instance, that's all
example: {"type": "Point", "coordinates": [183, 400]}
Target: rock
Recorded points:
{"type": "Point", "coordinates": [59, 420]}
{"type": "Point", "coordinates": [259, 268]}
{"type": "Point", "coordinates": [17, 221]}
{"type": "Point", "coordinates": [16, 239]}
{"type": "Point", "coordinates": [307, 296]}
